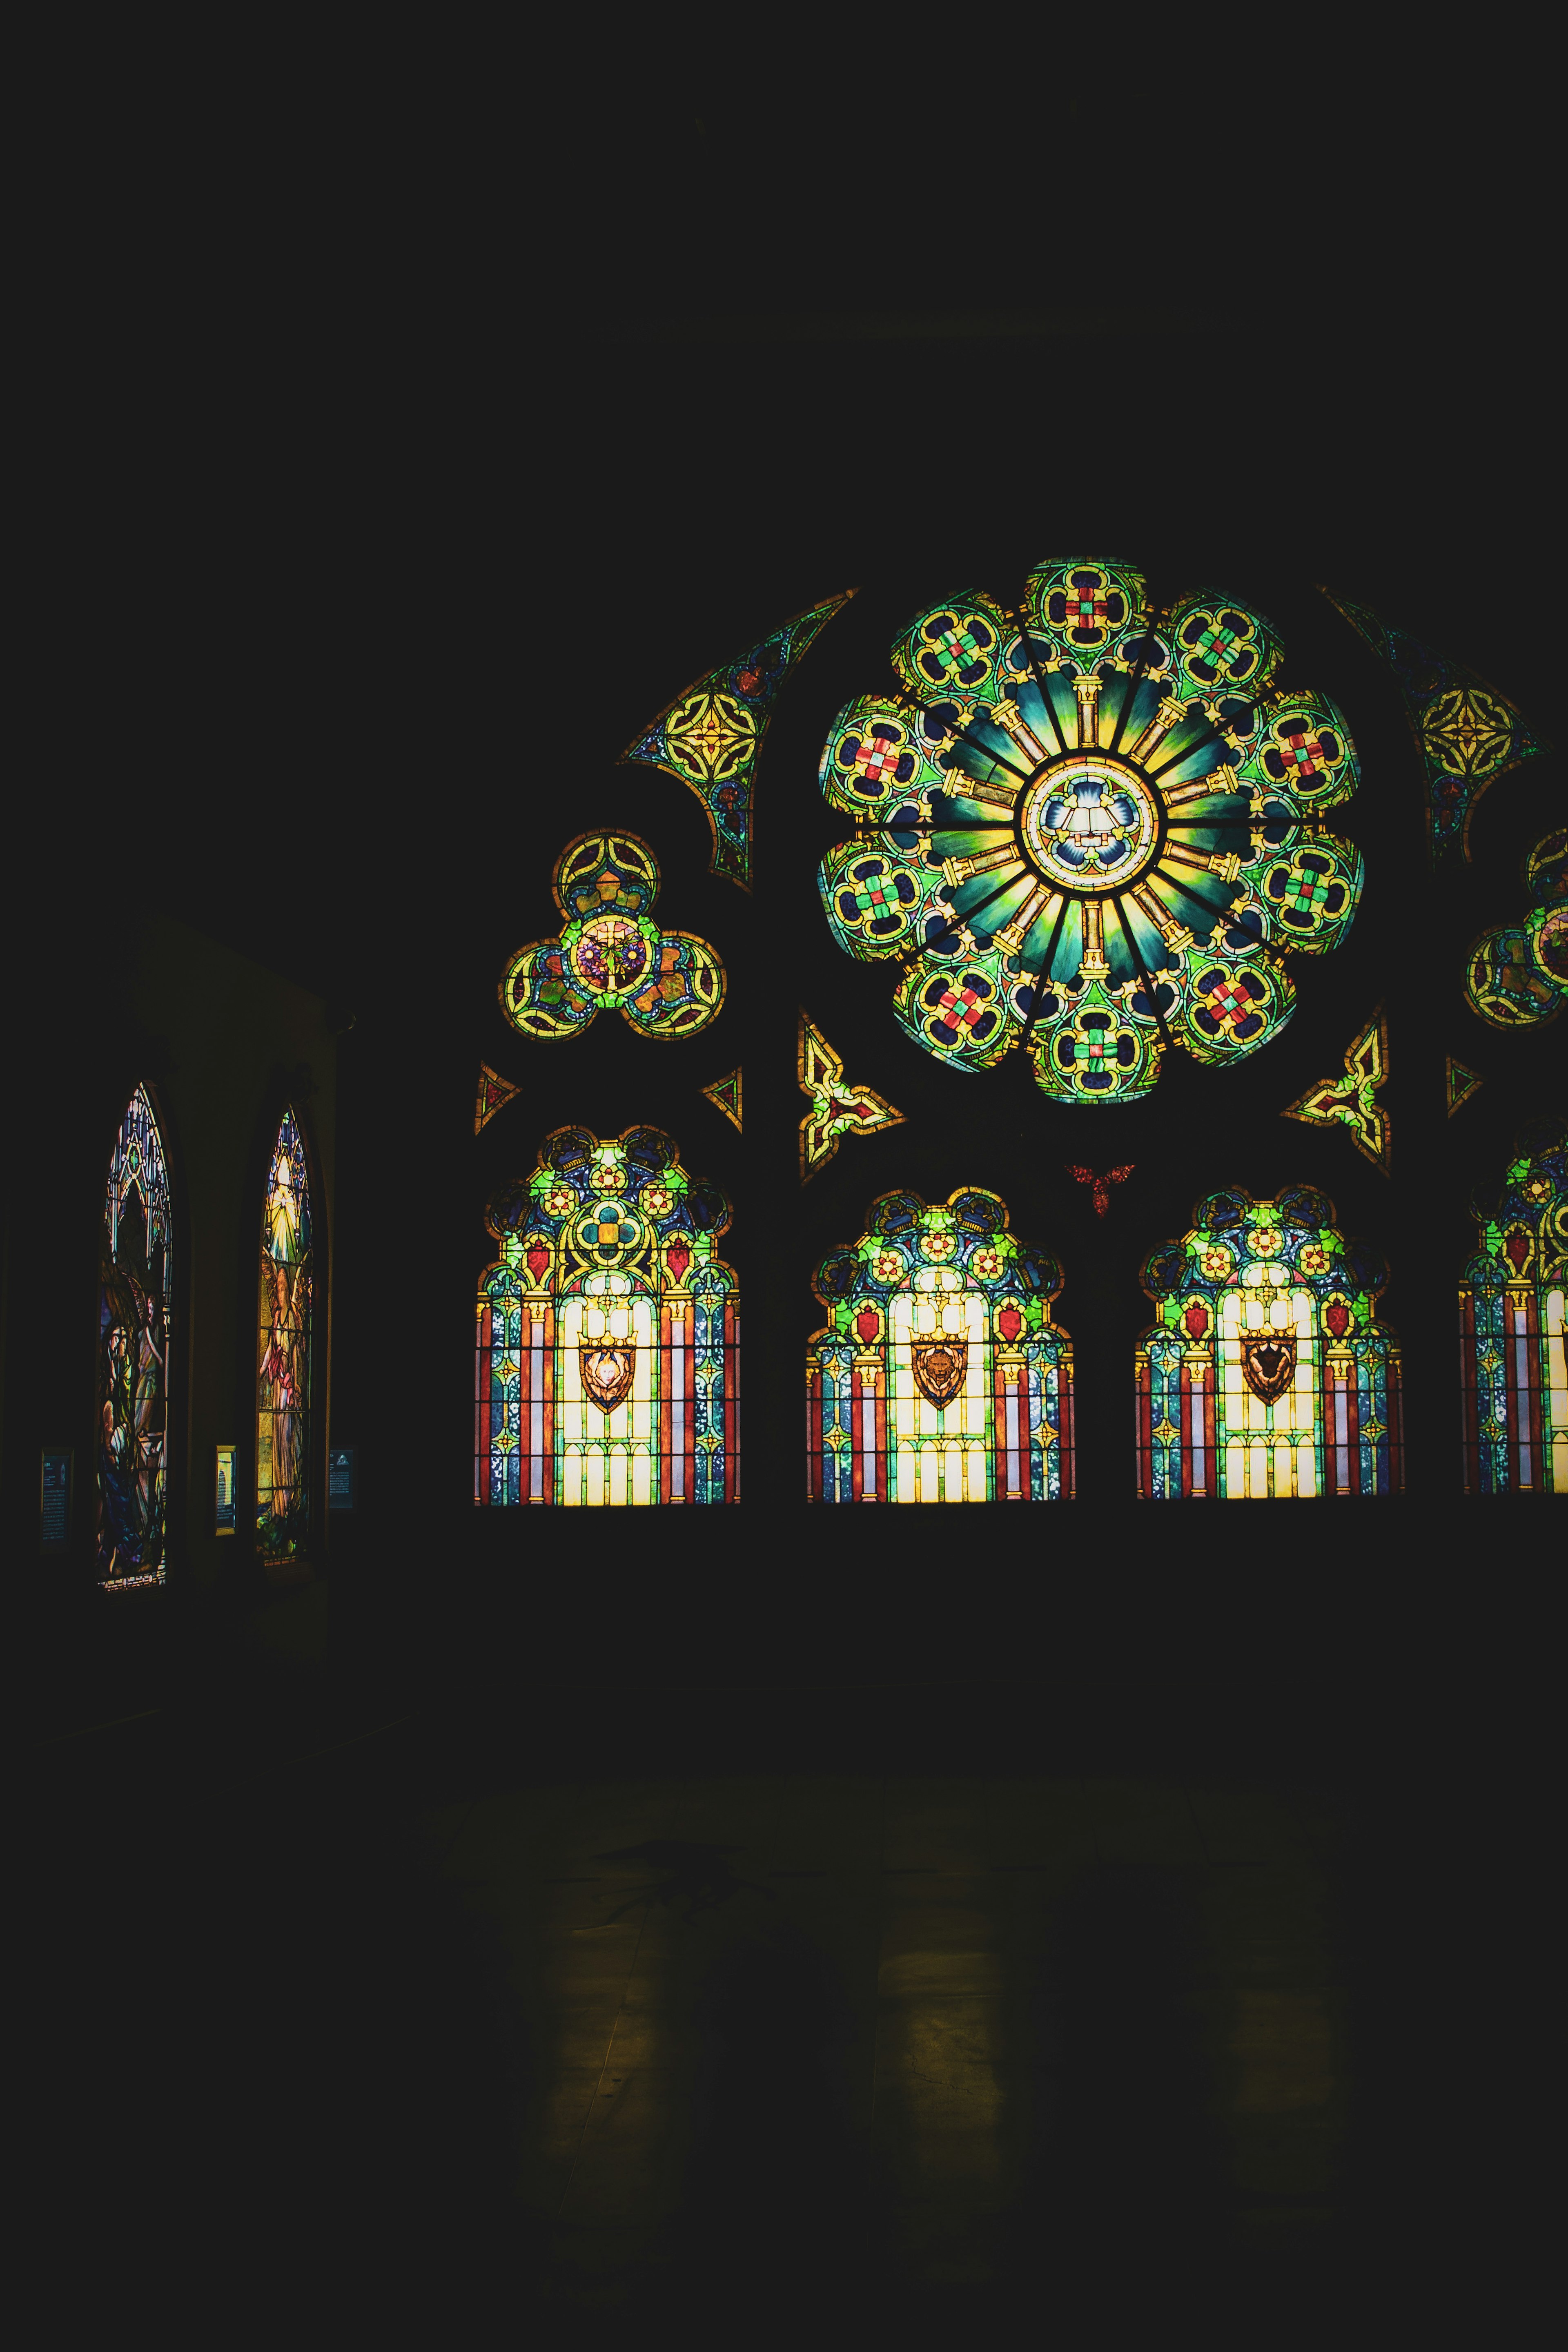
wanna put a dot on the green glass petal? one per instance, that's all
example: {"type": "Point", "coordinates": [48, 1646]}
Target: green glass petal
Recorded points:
{"type": "Point", "coordinates": [1082, 604]}
{"type": "Point", "coordinates": [1095, 1052]}
{"type": "Point", "coordinates": [1312, 890]}
{"type": "Point", "coordinates": [874, 760]}
{"type": "Point", "coordinates": [1221, 647]}
{"type": "Point", "coordinates": [952, 651]}
{"type": "Point", "coordinates": [1232, 1005]}
{"type": "Point", "coordinates": [961, 1012]}
{"type": "Point", "coordinates": [879, 899]}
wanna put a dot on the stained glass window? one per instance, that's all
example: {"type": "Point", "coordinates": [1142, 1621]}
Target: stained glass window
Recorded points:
{"type": "Point", "coordinates": [609, 1332]}
{"type": "Point", "coordinates": [283, 1378]}
{"type": "Point", "coordinates": [1516, 976]}
{"type": "Point", "coordinates": [940, 1377]}
{"type": "Point", "coordinates": [1467, 732]}
{"type": "Point", "coordinates": [1514, 1369]}
{"type": "Point", "coordinates": [134, 1291]}
{"type": "Point", "coordinates": [1266, 1372]}
{"type": "Point", "coordinates": [711, 736]}
{"type": "Point", "coordinates": [1089, 831]}
{"type": "Point", "coordinates": [610, 956]}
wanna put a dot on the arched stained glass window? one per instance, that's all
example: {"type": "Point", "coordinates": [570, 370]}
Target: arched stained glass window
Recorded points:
{"type": "Point", "coordinates": [133, 1355]}
{"type": "Point", "coordinates": [940, 1378]}
{"type": "Point", "coordinates": [1512, 1340]}
{"type": "Point", "coordinates": [283, 1377]}
{"type": "Point", "coordinates": [609, 1332]}
{"type": "Point", "coordinates": [1267, 1373]}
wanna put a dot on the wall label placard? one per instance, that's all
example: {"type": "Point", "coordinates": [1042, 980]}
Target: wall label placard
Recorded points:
{"type": "Point", "coordinates": [55, 1499]}
{"type": "Point", "coordinates": [341, 1478]}
{"type": "Point", "coordinates": [223, 1491]}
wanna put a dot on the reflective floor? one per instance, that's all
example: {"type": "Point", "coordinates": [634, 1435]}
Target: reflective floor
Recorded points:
{"type": "Point", "coordinates": [750, 2009]}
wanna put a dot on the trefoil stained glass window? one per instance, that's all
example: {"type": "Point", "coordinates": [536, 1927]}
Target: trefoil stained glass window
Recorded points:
{"type": "Point", "coordinates": [134, 1316]}
{"type": "Point", "coordinates": [940, 1377]}
{"type": "Point", "coordinates": [607, 1365]}
{"type": "Point", "coordinates": [1267, 1374]}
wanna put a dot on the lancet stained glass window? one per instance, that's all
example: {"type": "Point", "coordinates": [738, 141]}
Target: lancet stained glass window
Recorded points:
{"type": "Point", "coordinates": [609, 1332]}
{"type": "Point", "coordinates": [940, 1377]}
{"type": "Point", "coordinates": [283, 1377]}
{"type": "Point", "coordinates": [134, 1291]}
{"type": "Point", "coordinates": [1089, 831]}
{"type": "Point", "coordinates": [1513, 1305]}
{"type": "Point", "coordinates": [1267, 1373]}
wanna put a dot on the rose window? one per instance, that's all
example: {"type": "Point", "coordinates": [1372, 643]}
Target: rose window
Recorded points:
{"type": "Point", "coordinates": [1089, 831]}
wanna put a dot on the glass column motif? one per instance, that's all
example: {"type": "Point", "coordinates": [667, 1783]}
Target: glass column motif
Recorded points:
{"type": "Point", "coordinates": [607, 1341]}
{"type": "Point", "coordinates": [134, 1314]}
{"type": "Point", "coordinates": [939, 1377]}
{"type": "Point", "coordinates": [1513, 1308]}
{"type": "Point", "coordinates": [283, 1370]}
{"type": "Point", "coordinates": [1267, 1373]}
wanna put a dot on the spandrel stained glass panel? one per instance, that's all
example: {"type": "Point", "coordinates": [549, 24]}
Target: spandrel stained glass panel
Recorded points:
{"type": "Point", "coordinates": [1267, 1374]}
{"type": "Point", "coordinates": [134, 1291]}
{"type": "Point", "coordinates": [939, 1377]}
{"type": "Point", "coordinates": [284, 1368]}
{"type": "Point", "coordinates": [1513, 1327]}
{"type": "Point", "coordinates": [607, 1341]}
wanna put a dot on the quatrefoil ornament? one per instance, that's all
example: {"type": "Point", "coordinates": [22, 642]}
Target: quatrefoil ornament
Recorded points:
{"type": "Point", "coordinates": [612, 956]}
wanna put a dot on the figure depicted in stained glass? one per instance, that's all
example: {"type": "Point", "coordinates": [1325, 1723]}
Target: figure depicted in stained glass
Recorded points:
{"type": "Point", "coordinates": [1350, 1100]}
{"type": "Point", "coordinates": [711, 736]}
{"type": "Point", "coordinates": [1466, 732]}
{"type": "Point", "coordinates": [495, 1093]}
{"type": "Point", "coordinates": [134, 1293]}
{"type": "Point", "coordinates": [1513, 1326]}
{"type": "Point", "coordinates": [1461, 1083]}
{"type": "Point", "coordinates": [609, 1332]}
{"type": "Point", "coordinates": [1089, 832]}
{"type": "Point", "coordinates": [725, 1096]}
{"type": "Point", "coordinates": [612, 956]}
{"type": "Point", "coordinates": [836, 1109]}
{"type": "Point", "coordinates": [1267, 1373]}
{"type": "Point", "coordinates": [939, 1377]}
{"type": "Point", "coordinates": [283, 1370]}
{"type": "Point", "coordinates": [1516, 976]}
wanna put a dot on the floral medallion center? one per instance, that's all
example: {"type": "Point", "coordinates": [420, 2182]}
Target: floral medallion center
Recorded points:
{"type": "Point", "coordinates": [1090, 824]}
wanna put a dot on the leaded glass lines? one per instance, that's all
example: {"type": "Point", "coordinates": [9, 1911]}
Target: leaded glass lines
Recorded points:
{"type": "Point", "coordinates": [1267, 1374]}
{"type": "Point", "coordinates": [940, 1377]}
{"type": "Point", "coordinates": [283, 1395]}
{"type": "Point", "coordinates": [1513, 1344]}
{"type": "Point", "coordinates": [135, 1282]}
{"type": "Point", "coordinates": [608, 1332]}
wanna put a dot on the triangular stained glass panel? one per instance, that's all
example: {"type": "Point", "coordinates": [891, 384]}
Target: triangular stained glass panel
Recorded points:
{"type": "Point", "coordinates": [1349, 1100]}
{"type": "Point", "coordinates": [1461, 1084]}
{"type": "Point", "coordinates": [1466, 733]}
{"type": "Point", "coordinates": [836, 1109]}
{"type": "Point", "coordinates": [725, 1096]}
{"type": "Point", "coordinates": [711, 735]}
{"type": "Point", "coordinates": [494, 1092]}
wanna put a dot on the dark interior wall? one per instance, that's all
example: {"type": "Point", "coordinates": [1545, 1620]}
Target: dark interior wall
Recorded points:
{"type": "Point", "coordinates": [222, 1045]}
{"type": "Point", "coordinates": [431, 824]}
